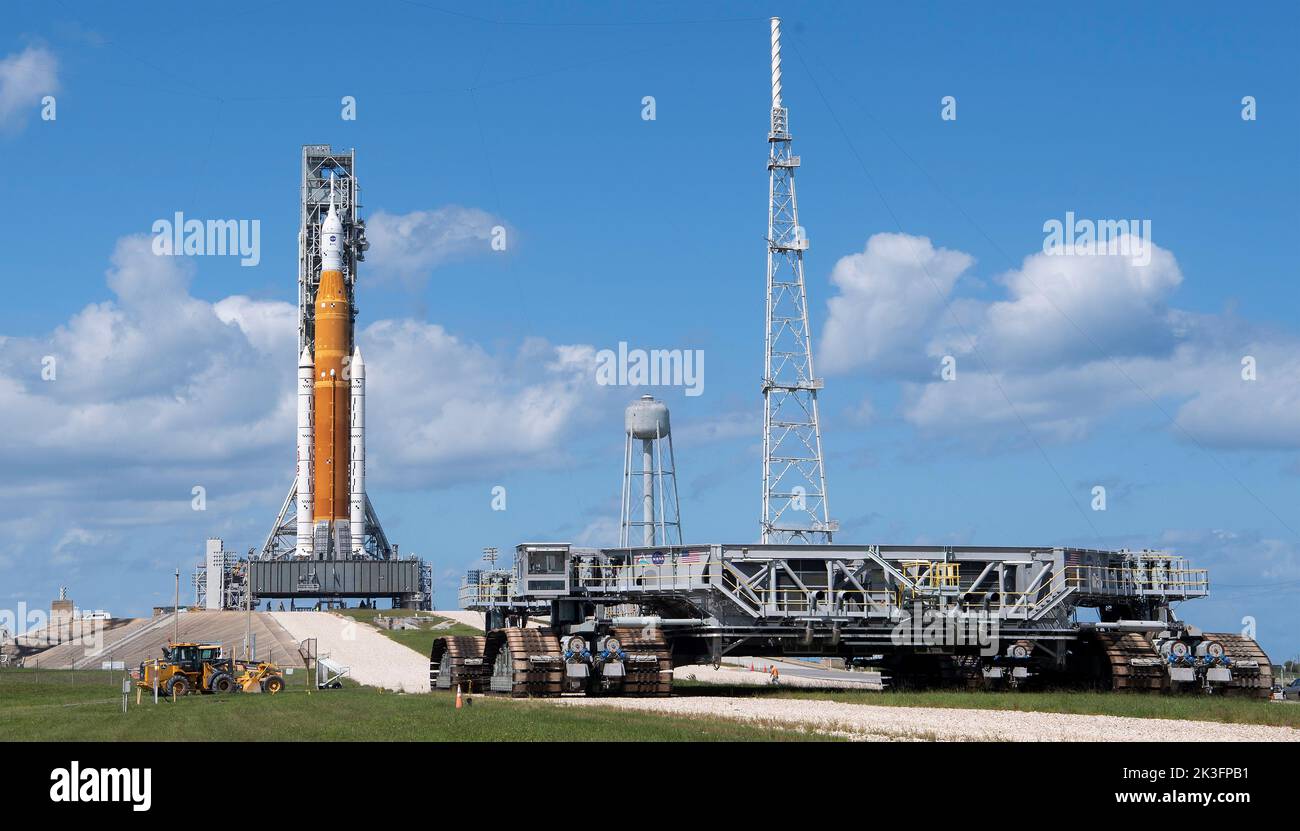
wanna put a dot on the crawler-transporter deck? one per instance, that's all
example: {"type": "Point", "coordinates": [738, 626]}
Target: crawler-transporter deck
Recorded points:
{"type": "Point", "coordinates": [620, 619]}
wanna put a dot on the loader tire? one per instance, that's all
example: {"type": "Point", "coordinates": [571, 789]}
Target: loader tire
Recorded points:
{"type": "Point", "coordinates": [273, 685]}
{"type": "Point", "coordinates": [222, 682]}
{"type": "Point", "coordinates": [178, 686]}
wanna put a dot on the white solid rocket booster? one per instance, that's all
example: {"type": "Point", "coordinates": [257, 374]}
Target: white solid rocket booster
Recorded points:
{"type": "Point", "coordinates": [357, 469]}
{"type": "Point", "coordinates": [305, 382]}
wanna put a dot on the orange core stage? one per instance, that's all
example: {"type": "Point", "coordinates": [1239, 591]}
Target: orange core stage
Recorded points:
{"type": "Point", "coordinates": [331, 401]}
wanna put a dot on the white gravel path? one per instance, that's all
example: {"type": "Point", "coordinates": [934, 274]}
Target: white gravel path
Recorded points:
{"type": "Point", "coordinates": [375, 659]}
{"type": "Point", "coordinates": [706, 674]}
{"type": "Point", "coordinates": [869, 722]}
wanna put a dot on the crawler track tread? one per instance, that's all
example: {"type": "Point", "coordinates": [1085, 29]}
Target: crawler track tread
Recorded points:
{"type": "Point", "coordinates": [1135, 664]}
{"type": "Point", "coordinates": [460, 657]}
{"type": "Point", "coordinates": [1256, 682]}
{"type": "Point", "coordinates": [526, 663]}
{"type": "Point", "coordinates": [646, 678]}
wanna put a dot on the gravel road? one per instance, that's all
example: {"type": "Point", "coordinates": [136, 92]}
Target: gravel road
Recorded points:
{"type": "Point", "coordinates": [375, 659]}
{"type": "Point", "coordinates": [867, 722]}
{"type": "Point", "coordinates": [706, 674]}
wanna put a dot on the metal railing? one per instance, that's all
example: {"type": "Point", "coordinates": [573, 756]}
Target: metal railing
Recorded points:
{"type": "Point", "coordinates": [630, 577]}
{"type": "Point", "coordinates": [932, 574]}
{"type": "Point", "coordinates": [697, 572]}
{"type": "Point", "coordinates": [1174, 579]}
{"type": "Point", "coordinates": [484, 594]}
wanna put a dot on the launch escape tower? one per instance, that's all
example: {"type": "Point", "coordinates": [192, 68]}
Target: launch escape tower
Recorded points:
{"type": "Point", "coordinates": [794, 478]}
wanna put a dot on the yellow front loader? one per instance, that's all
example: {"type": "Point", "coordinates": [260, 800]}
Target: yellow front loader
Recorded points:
{"type": "Point", "coordinates": [199, 667]}
{"type": "Point", "coordinates": [186, 668]}
{"type": "Point", "coordinates": [260, 677]}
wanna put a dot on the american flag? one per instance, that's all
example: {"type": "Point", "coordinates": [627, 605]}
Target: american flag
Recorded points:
{"type": "Point", "coordinates": [691, 557]}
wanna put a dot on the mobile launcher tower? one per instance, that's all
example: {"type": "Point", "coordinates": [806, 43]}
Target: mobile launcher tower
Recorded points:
{"type": "Point", "coordinates": [964, 615]}
{"type": "Point", "coordinates": [327, 542]}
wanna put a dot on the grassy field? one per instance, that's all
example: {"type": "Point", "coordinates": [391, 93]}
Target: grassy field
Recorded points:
{"type": "Point", "coordinates": [421, 640]}
{"type": "Point", "coordinates": [75, 705]}
{"type": "Point", "coordinates": [86, 705]}
{"type": "Point", "coordinates": [1184, 707]}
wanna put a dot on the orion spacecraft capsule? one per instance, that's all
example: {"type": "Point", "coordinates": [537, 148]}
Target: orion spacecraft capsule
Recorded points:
{"type": "Point", "coordinates": [331, 415]}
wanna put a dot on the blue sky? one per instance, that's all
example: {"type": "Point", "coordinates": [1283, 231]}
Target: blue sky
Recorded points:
{"type": "Point", "coordinates": [651, 232]}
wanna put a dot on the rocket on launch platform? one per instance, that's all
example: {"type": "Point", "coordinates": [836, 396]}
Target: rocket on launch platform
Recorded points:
{"type": "Point", "coordinates": [331, 416]}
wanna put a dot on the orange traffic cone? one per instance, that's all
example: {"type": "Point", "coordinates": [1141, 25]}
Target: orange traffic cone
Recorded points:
{"type": "Point", "coordinates": [458, 698]}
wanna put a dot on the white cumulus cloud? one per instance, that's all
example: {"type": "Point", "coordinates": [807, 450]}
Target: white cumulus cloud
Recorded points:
{"type": "Point", "coordinates": [445, 409]}
{"type": "Point", "coordinates": [1064, 310]}
{"type": "Point", "coordinates": [1073, 340]}
{"type": "Point", "coordinates": [155, 391]}
{"type": "Point", "coordinates": [25, 78]}
{"type": "Point", "coordinates": [409, 246]}
{"type": "Point", "coordinates": [891, 296]}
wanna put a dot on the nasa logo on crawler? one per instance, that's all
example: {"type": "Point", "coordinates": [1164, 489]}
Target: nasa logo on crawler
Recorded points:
{"type": "Point", "coordinates": [657, 558]}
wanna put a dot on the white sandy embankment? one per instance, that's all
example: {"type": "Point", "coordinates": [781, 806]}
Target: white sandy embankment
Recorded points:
{"type": "Point", "coordinates": [867, 722]}
{"type": "Point", "coordinates": [374, 658]}
{"type": "Point", "coordinates": [475, 619]}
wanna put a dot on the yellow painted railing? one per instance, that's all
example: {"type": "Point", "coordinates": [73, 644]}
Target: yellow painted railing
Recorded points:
{"type": "Point", "coordinates": [934, 574]}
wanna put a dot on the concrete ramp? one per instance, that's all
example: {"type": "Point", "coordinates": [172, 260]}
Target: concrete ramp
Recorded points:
{"type": "Point", "coordinates": [61, 631]}
{"type": "Point", "coordinates": [143, 638]}
{"type": "Point", "coordinates": [374, 659]}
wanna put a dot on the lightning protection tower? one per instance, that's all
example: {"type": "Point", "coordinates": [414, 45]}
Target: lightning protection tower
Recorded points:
{"type": "Point", "coordinates": [646, 480]}
{"type": "Point", "coordinates": [794, 477]}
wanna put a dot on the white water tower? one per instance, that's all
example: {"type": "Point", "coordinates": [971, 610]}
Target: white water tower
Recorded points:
{"type": "Point", "coordinates": [647, 480]}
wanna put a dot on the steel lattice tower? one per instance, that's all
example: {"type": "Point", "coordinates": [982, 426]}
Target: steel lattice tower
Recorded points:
{"type": "Point", "coordinates": [794, 477]}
